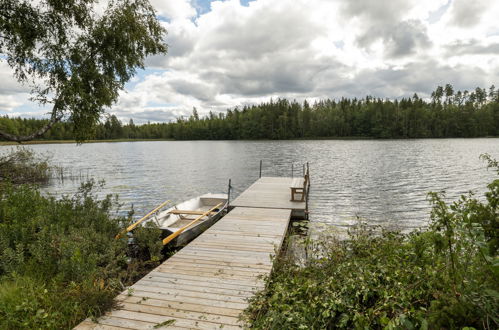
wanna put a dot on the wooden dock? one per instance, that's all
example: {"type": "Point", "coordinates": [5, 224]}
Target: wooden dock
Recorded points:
{"type": "Point", "coordinates": [271, 193]}
{"type": "Point", "coordinates": [207, 284]}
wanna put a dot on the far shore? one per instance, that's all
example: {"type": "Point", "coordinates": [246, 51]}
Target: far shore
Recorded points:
{"type": "Point", "coordinates": [11, 143]}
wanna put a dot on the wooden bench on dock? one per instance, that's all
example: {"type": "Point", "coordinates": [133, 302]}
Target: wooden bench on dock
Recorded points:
{"type": "Point", "coordinates": [299, 187]}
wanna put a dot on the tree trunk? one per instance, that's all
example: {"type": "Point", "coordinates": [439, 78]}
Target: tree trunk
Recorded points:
{"type": "Point", "coordinates": [23, 138]}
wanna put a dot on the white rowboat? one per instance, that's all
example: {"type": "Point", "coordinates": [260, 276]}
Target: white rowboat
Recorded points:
{"type": "Point", "coordinates": [190, 218]}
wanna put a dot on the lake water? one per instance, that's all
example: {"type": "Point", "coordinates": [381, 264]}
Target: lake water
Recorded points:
{"type": "Point", "coordinates": [384, 182]}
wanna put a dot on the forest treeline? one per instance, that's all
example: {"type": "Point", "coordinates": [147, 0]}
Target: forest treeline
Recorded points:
{"type": "Point", "coordinates": [446, 114]}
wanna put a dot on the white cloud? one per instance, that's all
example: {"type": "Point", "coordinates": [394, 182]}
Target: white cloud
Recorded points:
{"type": "Point", "coordinates": [174, 9]}
{"type": "Point", "coordinates": [467, 13]}
{"type": "Point", "coordinates": [307, 49]}
{"type": "Point", "coordinates": [238, 54]}
{"type": "Point", "coordinates": [8, 84]}
{"type": "Point", "coordinates": [8, 103]}
{"type": "Point", "coordinates": [12, 93]}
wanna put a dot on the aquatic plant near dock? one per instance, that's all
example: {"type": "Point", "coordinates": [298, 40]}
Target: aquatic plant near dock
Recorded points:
{"type": "Point", "coordinates": [443, 277]}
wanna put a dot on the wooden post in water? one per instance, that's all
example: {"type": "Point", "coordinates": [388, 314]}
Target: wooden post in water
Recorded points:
{"type": "Point", "coordinates": [292, 170]}
{"type": "Point", "coordinates": [308, 176]}
{"type": "Point", "coordinates": [228, 194]}
{"type": "Point", "coordinates": [260, 168]}
{"type": "Point", "coordinates": [307, 191]}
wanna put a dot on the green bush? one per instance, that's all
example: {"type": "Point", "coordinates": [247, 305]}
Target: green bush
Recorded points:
{"type": "Point", "coordinates": [59, 261]}
{"type": "Point", "coordinates": [444, 277]}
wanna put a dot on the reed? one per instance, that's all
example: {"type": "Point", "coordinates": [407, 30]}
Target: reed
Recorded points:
{"type": "Point", "coordinates": [22, 165]}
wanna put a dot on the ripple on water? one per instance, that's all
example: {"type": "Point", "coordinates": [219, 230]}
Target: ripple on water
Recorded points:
{"type": "Point", "coordinates": [383, 182]}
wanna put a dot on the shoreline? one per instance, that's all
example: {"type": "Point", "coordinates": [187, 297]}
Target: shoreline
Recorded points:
{"type": "Point", "coordinates": [346, 138]}
{"type": "Point", "coordinates": [12, 143]}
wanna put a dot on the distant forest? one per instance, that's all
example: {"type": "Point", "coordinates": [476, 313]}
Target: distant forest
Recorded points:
{"type": "Point", "coordinates": [446, 114]}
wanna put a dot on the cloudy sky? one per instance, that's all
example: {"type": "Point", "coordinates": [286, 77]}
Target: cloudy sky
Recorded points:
{"type": "Point", "coordinates": [229, 53]}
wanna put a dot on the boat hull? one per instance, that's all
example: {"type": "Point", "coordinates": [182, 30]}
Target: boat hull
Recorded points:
{"type": "Point", "coordinates": [183, 214]}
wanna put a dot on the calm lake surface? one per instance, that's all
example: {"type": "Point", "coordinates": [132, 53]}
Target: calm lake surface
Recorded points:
{"type": "Point", "coordinates": [384, 182]}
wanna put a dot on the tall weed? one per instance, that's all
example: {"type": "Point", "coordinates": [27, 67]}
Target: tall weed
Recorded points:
{"type": "Point", "coordinates": [22, 165]}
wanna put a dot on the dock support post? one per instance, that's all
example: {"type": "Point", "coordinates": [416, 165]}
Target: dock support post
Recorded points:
{"type": "Point", "coordinates": [260, 168]}
{"type": "Point", "coordinates": [228, 194]}
{"type": "Point", "coordinates": [292, 170]}
{"type": "Point", "coordinates": [306, 207]}
{"type": "Point", "coordinates": [307, 190]}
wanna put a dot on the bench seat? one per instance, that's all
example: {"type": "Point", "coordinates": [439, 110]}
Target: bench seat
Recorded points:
{"type": "Point", "coordinates": [298, 187]}
{"type": "Point", "coordinates": [297, 183]}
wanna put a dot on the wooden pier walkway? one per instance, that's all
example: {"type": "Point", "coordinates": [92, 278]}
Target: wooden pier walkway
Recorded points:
{"type": "Point", "coordinates": [207, 284]}
{"type": "Point", "coordinates": [271, 193]}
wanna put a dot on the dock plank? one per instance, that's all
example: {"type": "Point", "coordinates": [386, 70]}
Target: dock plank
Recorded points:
{"type": "Point", "coordinates": [144, 308]}
{"type": "Point", "coordinates": [188, 307]}
{"type": "Point", "coordinates": [194, 289]}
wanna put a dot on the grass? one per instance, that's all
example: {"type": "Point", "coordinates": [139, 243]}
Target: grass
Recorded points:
{"type": "Point", "coordinates": [446, 277]}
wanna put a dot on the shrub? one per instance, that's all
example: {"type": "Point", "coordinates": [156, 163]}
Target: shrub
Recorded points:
{"type": "Point", "coordinates": [59, 261]}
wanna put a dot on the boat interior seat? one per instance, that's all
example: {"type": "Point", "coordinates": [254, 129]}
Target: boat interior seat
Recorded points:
{"type": "Point", "coordinates": [199, 211]}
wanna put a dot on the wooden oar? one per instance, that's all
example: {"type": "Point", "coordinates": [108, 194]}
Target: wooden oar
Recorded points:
{"type": "Point", "coordinates": [178, 232]}
{"type": "Point", "coordinates": [132, 226]}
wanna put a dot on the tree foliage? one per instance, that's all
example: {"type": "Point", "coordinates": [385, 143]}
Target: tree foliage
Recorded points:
{"type": "Point", "coordinates": [75, 58]}
{"type": "Point", "coordinates": [459, 114]}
